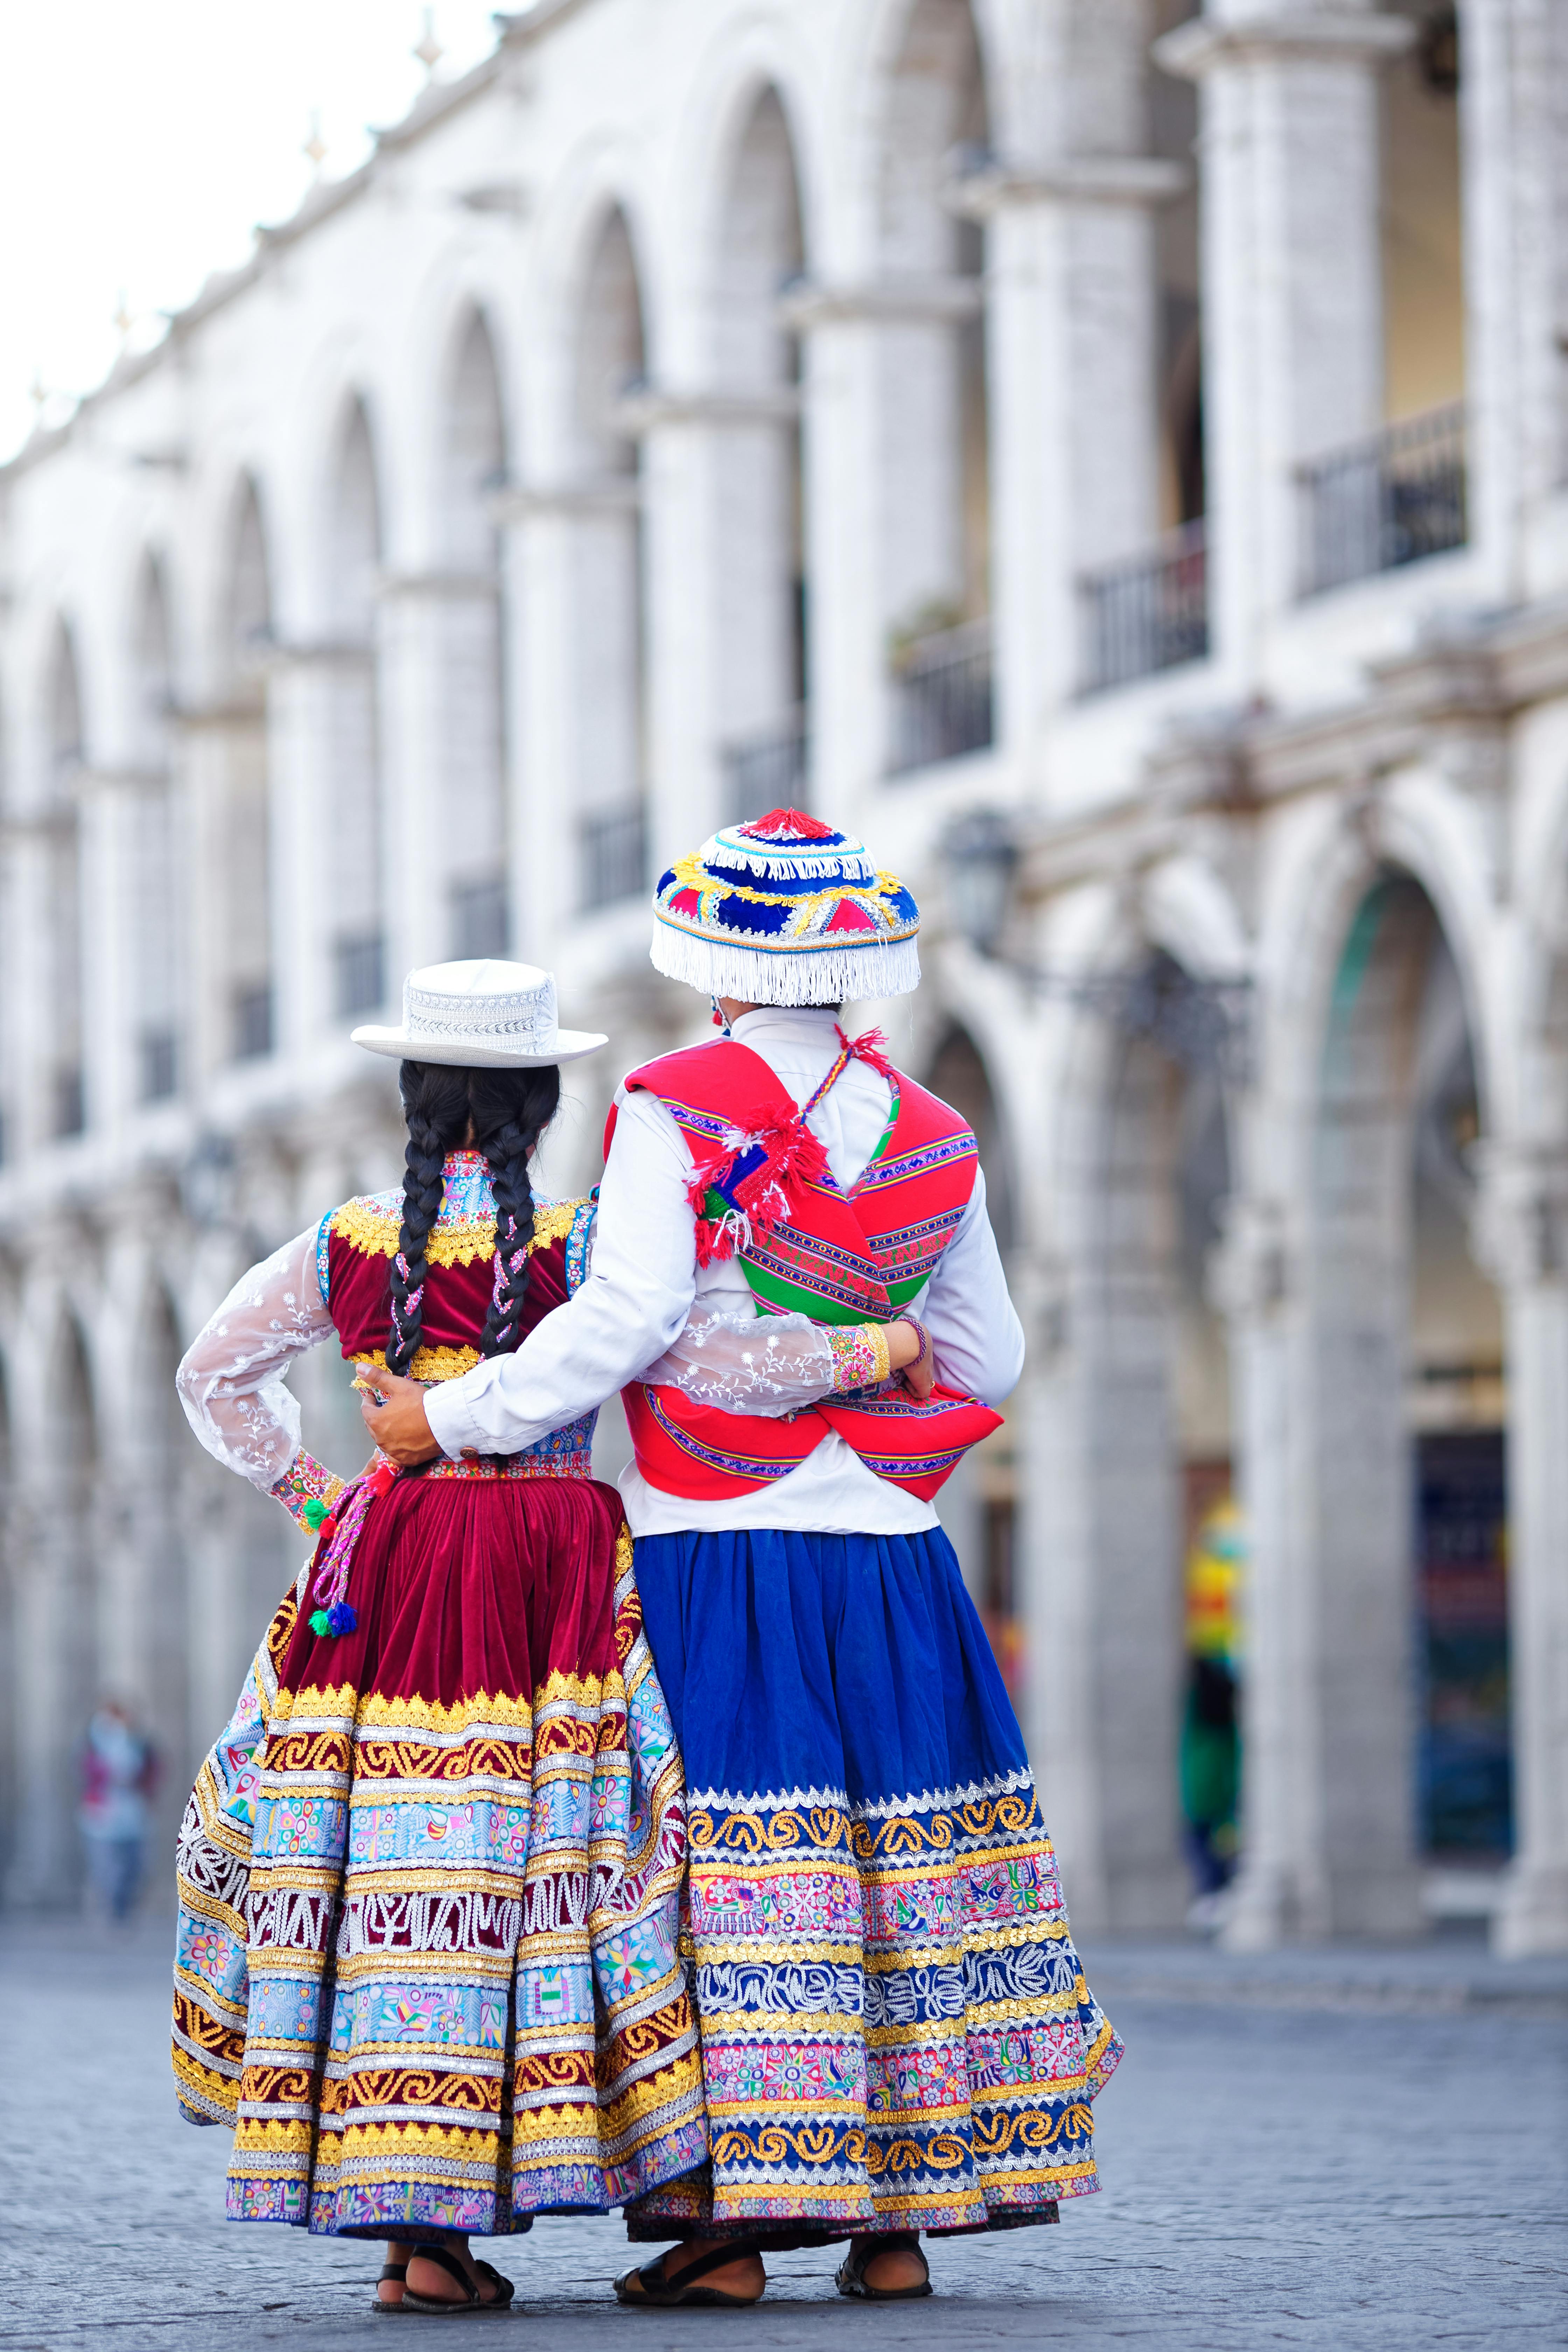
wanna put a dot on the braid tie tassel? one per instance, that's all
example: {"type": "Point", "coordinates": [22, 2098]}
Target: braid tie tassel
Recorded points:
{"type": "Point", "coordinates": [334, 1614]}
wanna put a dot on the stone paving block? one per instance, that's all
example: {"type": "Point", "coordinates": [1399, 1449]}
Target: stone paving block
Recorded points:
{"type": "Point", "coordinates": [1345, 2180]}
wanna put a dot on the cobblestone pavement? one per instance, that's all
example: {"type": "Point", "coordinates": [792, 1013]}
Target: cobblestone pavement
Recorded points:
{"type": "Point", "coordinates": [1339, 2151]}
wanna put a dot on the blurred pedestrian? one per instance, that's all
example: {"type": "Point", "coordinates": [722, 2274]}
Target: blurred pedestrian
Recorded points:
{"type": "Point", "coordinates": [1211, 1731]}
{"type": "Point", "coordinates": [119, 1774]}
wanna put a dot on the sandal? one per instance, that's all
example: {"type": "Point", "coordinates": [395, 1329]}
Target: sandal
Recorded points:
{"type": "Point", "coordinates": [438, 2307]}
{"type": "Point", "coordinates": [398, 2270]}
{"type": "Point", "coordinates": [653, 2289]}
{"type": "Point", "coordinates": [852, 2280]}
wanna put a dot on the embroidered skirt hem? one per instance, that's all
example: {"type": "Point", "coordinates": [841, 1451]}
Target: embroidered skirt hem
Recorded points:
{"type": "Point", "coordinates": [896, 2033]}
{"type": "Point", "coordinates": [429, 1882]}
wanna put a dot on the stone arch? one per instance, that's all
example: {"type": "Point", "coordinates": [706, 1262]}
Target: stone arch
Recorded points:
{"type": "Point", "coordinates": [609, 763]}
{"type": "Point", "coordinates": [348, 683]}
{"type": "Point", "coordinates": [760, 677]}
{"type": "Point", "coordinates": [473, 459]}
{"type": "Point", "coordinates": [156, 925]}
{"type": "Point", "coordinates": [935, 503]}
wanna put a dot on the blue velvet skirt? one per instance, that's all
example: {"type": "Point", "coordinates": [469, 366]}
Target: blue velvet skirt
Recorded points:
{"type": "Point", "coordinates": [896, 2030]}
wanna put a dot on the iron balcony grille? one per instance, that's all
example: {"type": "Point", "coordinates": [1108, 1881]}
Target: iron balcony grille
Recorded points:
{"type": "Point", "coordinates": [160, 1058]}
{"type": "Point", "coordinates": [613, 855]}
{"type": "Point", "coordinates": [1147, 612]}
{"type": "Point", "coordinates": [479, 916]}
{"type": "Point", "coordinates": [252, 1022]}
{"type": "Point", "coordinates": [767, 770]}
{"type": "Point", "coordinates": [361, 980]}
{"type": "Point", "coordinates": [1393, 500]}
{"type": "Point", "coordinates": [942, 697]}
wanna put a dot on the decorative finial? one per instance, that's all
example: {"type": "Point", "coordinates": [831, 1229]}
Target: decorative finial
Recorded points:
{"type": "Point", "coordinates": [428, 48]}
{"type": "Point", "coordinates": [315, 147]}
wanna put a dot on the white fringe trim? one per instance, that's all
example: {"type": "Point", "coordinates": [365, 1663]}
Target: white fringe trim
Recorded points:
{"type": "Point", "coordinates": [817, 975]}
{"type": "Point", "coordinates": [850, 862]}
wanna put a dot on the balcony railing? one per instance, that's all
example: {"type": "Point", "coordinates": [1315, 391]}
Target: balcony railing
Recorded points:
{"type": "Point", "coordinates": [252, 1022]}
{"type": "Point", "coordinates": [766, 770]}
{"type": "Point", "coordinates": [1148, 611]}
{"type": "Point", "coordinates": [944, 701]}
{"type": "Point", "coordinates": [359, 962]}
{"type": "Point", "coordinates": [612, 855]}
{"type": "Point", "coordinates": [478, 915]}
{"type": "Point", "coordinates": [1389, 501]}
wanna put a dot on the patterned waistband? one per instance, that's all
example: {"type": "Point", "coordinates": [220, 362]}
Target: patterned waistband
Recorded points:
{"type": "Point", "coordinates": [577, 1463]}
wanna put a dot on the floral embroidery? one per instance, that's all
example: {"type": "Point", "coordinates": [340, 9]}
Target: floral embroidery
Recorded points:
{"type": "Point", "coordinates": [861, 1359]}
{"type": "Point", "coordinates": [306, 1480]}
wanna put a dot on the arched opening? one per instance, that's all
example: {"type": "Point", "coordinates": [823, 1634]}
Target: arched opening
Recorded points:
{"type": "Point", "coordinates": [156, 925]}
{"type": "Point", "coordinates": [71, 1552]}
{"type": "Point", "coordinates": [936, 494]}
{"type": "Point", "coordinates": [238, 827]}
{"type": "Point", "coordinates": [609, 765]}
{"type": "Point", "coordinates": [1161, 1439]}
{"type": "Point", "coordinates": [1408, 1640]}
{"type": "Point", "coordinates": [354, 813]}
{"type": "Point", "coordinates": [978, 1505]}
{"type": "Point", "coordinates": [65, 1108]}
{"type": "Point", "coordinates": [474, 467]}
{"type": "Point", "coordinates": [153, 1613]}
{"type": "Point", "coordinates": [1423, 260]}
{"type": "Point", "coordinates": [760, 680]}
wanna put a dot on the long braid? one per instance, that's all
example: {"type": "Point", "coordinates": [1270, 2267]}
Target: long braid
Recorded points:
{"type": "Point", "coordinates": [510, 1112]}
{"type": "Point", "coordinates": [435, 1105]}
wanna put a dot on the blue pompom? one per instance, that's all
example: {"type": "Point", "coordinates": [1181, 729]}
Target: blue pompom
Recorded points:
{"type": "Point", "coordinates": [342, 1618]}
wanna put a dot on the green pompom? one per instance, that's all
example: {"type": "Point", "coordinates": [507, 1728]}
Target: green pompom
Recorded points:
{"type": "Point", "coordinates": [321, 1624]}
{"type": "Point", "coordinates": [315, 1511]}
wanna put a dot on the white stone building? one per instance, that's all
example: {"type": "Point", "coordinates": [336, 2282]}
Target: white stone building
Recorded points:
{"type": "Point", "coordinates": [1114, 455]}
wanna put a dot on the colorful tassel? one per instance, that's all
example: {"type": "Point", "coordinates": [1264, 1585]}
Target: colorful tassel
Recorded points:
{"type": "Point", "coordinates": [321, 1624]}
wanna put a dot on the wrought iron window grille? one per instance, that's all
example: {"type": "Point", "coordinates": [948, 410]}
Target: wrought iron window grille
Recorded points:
{"type": "Point", "coordinates": [944, 701]}
{"type": "Point", "coordinates": [613, 855]}
{"type": "Point", "coordinates": [1148, 611]}
{"type": "Point", "coordinates": [1395, 499]}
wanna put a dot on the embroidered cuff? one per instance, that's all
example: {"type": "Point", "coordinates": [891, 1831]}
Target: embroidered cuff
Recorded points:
{"type": "Point", "coordinates": [860, 1356]}
{"type": "Point", "coordinates": [306, 1480]}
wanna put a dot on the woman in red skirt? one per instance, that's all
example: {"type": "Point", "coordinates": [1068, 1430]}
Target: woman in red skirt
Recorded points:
{"type": "Point", "coordinates": [429, 1874]}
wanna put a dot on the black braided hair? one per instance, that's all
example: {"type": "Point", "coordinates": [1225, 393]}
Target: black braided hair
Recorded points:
{"type": "Point", "coordinates": [505, 1111]}
{"type": "Point", "coordinates": [512, 1109]}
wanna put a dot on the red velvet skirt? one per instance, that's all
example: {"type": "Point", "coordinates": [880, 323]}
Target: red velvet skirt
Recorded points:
{"type": "Point", "coordinates": [430, 1879]}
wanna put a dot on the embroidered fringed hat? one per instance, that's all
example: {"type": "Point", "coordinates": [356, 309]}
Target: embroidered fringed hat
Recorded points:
{"type": "Point", "coordinates": [784, 910]}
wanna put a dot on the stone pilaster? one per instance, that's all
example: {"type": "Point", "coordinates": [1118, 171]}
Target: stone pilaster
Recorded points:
{"type": "Point", "coordinates": [1292, 278]}
{"type": "Point", "coordinates": [1514, 129]}
{"type": "Point", "coordinates": [1521, 1236]}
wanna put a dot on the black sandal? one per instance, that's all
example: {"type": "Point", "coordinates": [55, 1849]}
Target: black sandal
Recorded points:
{"type": "Point", "coordinates": [852, 2279]}
{"type": "Point", "coordinates": [437, 2307]}
{"type": "Point", "coordinates": [652, 2288]}
{"type": "Point", "coordinates": [398, 2270]}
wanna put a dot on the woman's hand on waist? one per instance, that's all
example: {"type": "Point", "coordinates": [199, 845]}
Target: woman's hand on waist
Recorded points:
{"type": "Point", "coordinates": [392, 1410]}
{"type": "Point", "coordinates": [910, 1353]}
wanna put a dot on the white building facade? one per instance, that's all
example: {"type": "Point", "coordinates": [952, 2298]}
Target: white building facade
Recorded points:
{"type": "Point", "coordinates": [1115, 457]}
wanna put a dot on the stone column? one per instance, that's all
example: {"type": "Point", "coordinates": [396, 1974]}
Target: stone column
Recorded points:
{"type": "Point", "coordinates": [1521, 1236]}
{"type": "Point", "coordinates": [564, 740]}
{"type": "Point", "coordinates": [443, 766]}
{"type": "Point", "coordinates": [1514, 104]}
{"type": "Point", "coordinates": [1072, 324]}
{"type": "Point", "coordinates": [315, 709]}
{"type": "Point", "coordinates": [846, 656]}
{"type": "Point", "coordinates": [1293, 278]}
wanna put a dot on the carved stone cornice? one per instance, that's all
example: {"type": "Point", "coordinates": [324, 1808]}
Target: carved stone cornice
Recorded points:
{"type": "Point", "coordinates": [882, 302]}
{"type": "Point", "coordinates": [1206, 43]}
{"type": "Point", "coordinates": [996, 187]}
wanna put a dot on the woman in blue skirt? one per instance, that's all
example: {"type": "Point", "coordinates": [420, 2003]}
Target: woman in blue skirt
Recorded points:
{"type": "Point", "coordinates": [796, 1286]}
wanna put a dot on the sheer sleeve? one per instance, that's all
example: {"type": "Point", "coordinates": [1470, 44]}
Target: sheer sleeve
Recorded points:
{"type": "Point", "coordinates": [231, 1379]}
{"type": "Point", "coordinates": [768, 1364]}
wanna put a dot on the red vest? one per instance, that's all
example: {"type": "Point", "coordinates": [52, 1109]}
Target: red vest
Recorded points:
{"type": "Point", "coordinates": [764, 1192]}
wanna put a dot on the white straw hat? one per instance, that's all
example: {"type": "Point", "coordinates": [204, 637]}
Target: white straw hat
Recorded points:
{"type": "Point", "coordinates": [480, 1017]}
